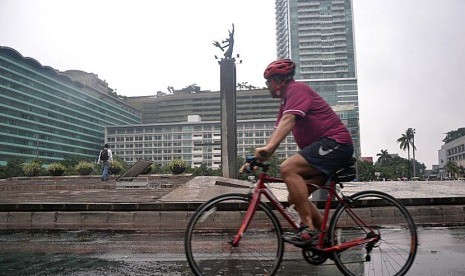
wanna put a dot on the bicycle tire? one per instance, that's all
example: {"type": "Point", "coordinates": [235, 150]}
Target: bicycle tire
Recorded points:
{"type": "Point", "coordinates": [393, 254]}
{"type": "Point", "coordinates": [212, 228]}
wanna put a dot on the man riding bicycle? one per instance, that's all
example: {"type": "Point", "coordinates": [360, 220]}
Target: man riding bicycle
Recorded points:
{"type": "Point", "coordinates": [324, 141]}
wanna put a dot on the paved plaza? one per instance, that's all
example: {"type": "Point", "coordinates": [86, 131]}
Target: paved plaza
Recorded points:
{"type": "Point", "coordinates": [191, 189]}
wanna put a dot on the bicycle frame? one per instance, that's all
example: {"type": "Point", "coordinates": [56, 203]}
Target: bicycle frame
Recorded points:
{"type": "Point", "coordinates": [261, 189]}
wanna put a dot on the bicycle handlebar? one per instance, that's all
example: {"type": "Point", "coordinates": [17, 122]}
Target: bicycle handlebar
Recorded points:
{"type": "Point", "coordinates": [253, 162]}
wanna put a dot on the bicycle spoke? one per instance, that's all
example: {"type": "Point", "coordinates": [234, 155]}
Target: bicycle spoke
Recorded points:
{"type": "Point", "coordinates": [213, 227]}
{"type": "Point", "coordinates": [393, 253]}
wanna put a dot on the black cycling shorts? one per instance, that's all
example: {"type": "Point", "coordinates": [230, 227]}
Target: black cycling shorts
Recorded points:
{"type": "Point", "coordinates": [327, 155]}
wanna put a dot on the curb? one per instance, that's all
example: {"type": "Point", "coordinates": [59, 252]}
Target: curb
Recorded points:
{"type": "Point", "coordinates": [162, 216]}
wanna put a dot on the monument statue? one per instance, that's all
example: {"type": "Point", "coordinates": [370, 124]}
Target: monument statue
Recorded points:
{"type": "Point", "coordinates": [229, 43]}
{"type": "Point", "coordinates": [228, 106]}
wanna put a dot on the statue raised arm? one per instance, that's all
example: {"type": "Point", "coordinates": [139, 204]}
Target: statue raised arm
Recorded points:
{"type": "Point", "coordinates": [229, 43]}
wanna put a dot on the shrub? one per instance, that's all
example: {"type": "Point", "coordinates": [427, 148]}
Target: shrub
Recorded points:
{"type": "Point", "coordinates": [177, 166]}
{"type": "Point", "coordinates": [157, 169]}
{"type": "Point", "coordinates": [205, 171]}
{"type": "Point", "coordinates": [56, 169]}
{"type": "Point", "coordinates": [70, 163]}
{"type": "Point", "coordinates": [3, 172]}
{"type": "Point", "coordinates": [14, 168]}
{"type": "Point", "coordinates": [34, 168]}
{"type": "Point", "coordinates": [116, 167]}
{"type": "Point", "coordinates": [84, 168]}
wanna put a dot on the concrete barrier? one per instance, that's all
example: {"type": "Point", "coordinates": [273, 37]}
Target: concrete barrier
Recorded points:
{"type": "Point", "coordinates": [168, 217]}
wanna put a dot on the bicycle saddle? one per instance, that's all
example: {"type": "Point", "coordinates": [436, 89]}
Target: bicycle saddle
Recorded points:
{"type": "Point", "coordinates": [347, 173]}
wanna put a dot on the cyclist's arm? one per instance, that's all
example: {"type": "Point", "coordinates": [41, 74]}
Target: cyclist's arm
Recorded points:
{"type": "Point", "coordinates": [285, 126]}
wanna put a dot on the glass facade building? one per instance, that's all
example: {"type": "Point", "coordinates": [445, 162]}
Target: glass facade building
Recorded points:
{"type": "Point", "coordinates": [318, 36]}
{"type": "Point", "coordinates": [52, 115]}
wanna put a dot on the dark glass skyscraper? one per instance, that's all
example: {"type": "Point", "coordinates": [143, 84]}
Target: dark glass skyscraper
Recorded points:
{"type": "Point", "coordinates": [52, 115]}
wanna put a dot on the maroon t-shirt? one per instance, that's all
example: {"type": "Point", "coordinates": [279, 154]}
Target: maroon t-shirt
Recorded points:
{"type": "Point", "coordinates": [314, 117]}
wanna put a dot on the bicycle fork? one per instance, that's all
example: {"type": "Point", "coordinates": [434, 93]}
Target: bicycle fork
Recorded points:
{"type": "Point", "coordinates": [247, 219]}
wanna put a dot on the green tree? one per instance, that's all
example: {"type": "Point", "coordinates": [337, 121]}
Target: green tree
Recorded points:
{"type": "Point", "coordinates": [406, 142]}
{"type": "Point", "coordinates": [384, 157]}
{"type": "Point", "coordinates": [396, 169]}
{"type": "Point", "coordinates": [419, 168]}
{"type": "Point", "coordinates": [365, 171]}
{"type": "Point", "coordinates": [451, 168]}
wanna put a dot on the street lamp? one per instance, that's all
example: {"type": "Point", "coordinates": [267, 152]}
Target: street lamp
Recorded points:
{"type": "Point", "coordinates": [413, 143]}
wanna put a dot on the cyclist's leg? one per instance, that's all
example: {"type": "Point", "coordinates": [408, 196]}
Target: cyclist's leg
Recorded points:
{"type": "Point", "coordinates": [316, 217]}
{"type": "Point", "coordinates": [292, 171]}
{"type": "Point", "coordinates": [317, 160]}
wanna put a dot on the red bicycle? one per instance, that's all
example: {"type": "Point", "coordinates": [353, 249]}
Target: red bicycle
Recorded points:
{"type": "Point", "coordinates": [370, 232]}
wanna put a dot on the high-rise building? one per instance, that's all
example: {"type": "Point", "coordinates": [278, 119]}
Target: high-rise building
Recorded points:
{"type": "Point", "coordinates": [53, 115]}
{"type": "Point", "coordinates": [194, 141]}
{"type": "Point", "coordinates": [250, 104]}
{"type": "Point", "coordinates": [167, 132]}
{"type": "Point", "coordinates": [318, 36]}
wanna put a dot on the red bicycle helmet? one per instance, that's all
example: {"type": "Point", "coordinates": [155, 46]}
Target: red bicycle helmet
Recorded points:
{"type": "Point", "coordinates": [283, 67]}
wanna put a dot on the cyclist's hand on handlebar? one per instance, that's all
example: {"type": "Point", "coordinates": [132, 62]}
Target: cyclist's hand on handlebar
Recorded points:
{"type": "Point", "coordinates": [244, 168]}
{"type": "Point", "coordinates": [247, 169]}
{"type": "Point", "coordinates": [262, 153]}
{"type": "Point", "coordinates": [250, 164]}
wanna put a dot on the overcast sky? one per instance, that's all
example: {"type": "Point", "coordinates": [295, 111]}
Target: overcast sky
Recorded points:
{"type": "Point", "coordinates": [410, 54]}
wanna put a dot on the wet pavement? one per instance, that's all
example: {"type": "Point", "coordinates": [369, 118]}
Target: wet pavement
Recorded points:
{"type": "Point", "coordinates": [86, 252]}
{"type": "Point", "coordinates": [441, 251]}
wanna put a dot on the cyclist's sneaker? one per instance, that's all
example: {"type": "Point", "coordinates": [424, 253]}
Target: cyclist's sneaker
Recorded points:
{"type": "Point", "coordinates": [303, 237]}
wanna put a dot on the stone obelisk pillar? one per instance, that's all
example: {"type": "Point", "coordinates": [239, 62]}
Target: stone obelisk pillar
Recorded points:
{"type": "Point", "coordinates": [228, 117]}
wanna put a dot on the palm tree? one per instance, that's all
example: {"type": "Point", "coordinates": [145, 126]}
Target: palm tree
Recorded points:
{"type": "Point", "coordinates": [384, 157]}
{"type": "Point", "coordinates": [406, 141]}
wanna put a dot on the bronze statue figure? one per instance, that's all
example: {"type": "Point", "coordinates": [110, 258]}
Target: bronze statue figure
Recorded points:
{"type": "Point", "coordinates": [229, 43]}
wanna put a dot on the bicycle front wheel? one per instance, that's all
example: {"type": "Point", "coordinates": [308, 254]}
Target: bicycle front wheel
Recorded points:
{"type": "Point", "coordinates": [213, 227]}
{"type": "Point", "coordinates": [368, 213]}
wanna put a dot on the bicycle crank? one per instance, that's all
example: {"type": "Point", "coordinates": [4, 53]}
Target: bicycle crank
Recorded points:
{"type": "Point", "coordinates": [313, 257]}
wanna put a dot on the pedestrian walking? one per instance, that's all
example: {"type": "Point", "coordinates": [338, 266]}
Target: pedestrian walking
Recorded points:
{"type": "Point", "coordinates": [106, 158]}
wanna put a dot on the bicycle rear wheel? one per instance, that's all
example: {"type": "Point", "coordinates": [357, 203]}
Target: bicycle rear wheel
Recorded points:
{"type": "Point", "coordinates": [214, 225]}
{"type": "Point", "coordinates": [392, 254]}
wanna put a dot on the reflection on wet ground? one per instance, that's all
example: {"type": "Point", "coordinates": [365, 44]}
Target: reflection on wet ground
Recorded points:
{"type": "Point", "coordinates": [79, 264]}
{"type": "Point", "coordinates": [441, 252]}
